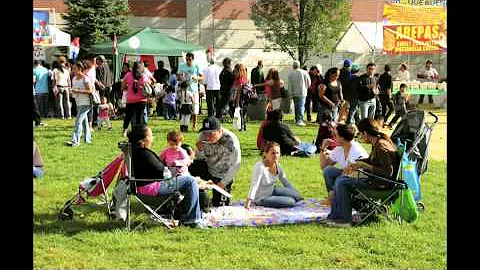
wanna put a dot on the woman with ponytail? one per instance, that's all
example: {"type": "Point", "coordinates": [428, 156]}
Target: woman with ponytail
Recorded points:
{"type": "Point", "coordinates": [383, 161]}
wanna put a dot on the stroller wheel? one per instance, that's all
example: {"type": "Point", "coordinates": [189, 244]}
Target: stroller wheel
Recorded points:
{"type": "Point", "coordinates": [66, 214]}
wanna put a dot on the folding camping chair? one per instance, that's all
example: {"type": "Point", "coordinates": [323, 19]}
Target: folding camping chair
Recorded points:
{"type": "Point", "coordinates": [152, 204]}
{"type": "Point", "coordinates": [94, 187]}
{"type": "Point", "coordinates": [377, 198]}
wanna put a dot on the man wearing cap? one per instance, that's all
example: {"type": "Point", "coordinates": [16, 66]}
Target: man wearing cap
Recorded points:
{"type": "Point", "coordinates": [345, 79]}
{"type": "Point", "coordinates": [427, 74]}
{"type": "Point", "coordinates": [298, 84]}
{"type": "Point", "coordinates": [353, 114]}
{"type": "Point", "coordinates": [217, 158]}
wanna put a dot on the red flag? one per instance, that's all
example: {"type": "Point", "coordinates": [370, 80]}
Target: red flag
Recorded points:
{"type": "Point", "coordinates": [114, 48]}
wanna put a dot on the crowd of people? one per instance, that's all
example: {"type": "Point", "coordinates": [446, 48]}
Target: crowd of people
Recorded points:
{"type": "Point", "coordinates": [346, 103]}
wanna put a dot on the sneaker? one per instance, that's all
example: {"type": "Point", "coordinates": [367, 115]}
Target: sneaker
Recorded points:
{"type": "Point", "coordinates": [41, 124]}
{"type": "Point", "coordinates": [338, 224]}
{"type": "Point", "coordinates": [301, 124]}
{"type": "Point", "coordinates": [71, 144]}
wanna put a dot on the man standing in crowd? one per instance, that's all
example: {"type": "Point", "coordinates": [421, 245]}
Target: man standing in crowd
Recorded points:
{"type": "Point", "coordinates": [212, 86]}
{"type": "Point", "coordinates": [385, 82]}
{"type": "Point", "coordinates": [367, 89]}
{"type": "Point", "coordinates": [427, 74]}
{"type": "Point", "coordinates": [226, 81]}
{"type": "Point", "coordinates": [257, 77]}
{"type": "Point", "coordinates": [40, 80]}
{"type": "Point", "coordinates": [161, 75]}
{"type": "Point", "coordinates": [104, 78]}
{"type": "Point", "coordinates": [190, 72]}
{"type": "Point", "coordinates": [352, 116]}
{"type": "Point", "coordinates": [298, 83]}
{"type": "Point", "coordinates": [217, 158]}
{"type": "Point", "coordinates": [345, 79]}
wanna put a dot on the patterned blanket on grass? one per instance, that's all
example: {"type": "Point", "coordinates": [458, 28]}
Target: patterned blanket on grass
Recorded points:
{"type": "Point", "coordinates": [305, 211]}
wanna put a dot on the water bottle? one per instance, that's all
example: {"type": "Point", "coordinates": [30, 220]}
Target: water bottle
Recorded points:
{"type": "Point", "coordinates": [167, 174]}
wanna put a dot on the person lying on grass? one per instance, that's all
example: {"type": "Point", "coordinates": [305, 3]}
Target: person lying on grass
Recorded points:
{"type": "Point", "coordinates": [265, 175]}
{"type": "Point", "coordinates": [346, 152]}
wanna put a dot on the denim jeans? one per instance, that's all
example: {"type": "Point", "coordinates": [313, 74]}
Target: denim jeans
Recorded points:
{"type": "Point", "coordinates": [135, 113]}
{"type": "Point", "coordinates": [299, 103]}
{"type": "Point", "coordinates": [341, 205]}
{"type": "Point", "coordinates": [187, 186]}
{"type": "Point", "coordinates": [42, 101]}
{"type": "Point", "coordinates": [330, 174]}
{"type": "Point", "coordinates": [322, 109]}
{"type": "Point", "coordinates": [280, 198]}
{"type": "Point", "coordinates": [169, 111]}
{"type": "Point", "coordinates": [352, 112]}
{"type": "Point", "coordinates": [367, 108]}
{"type": "Point", "coordinates": [81, 122]}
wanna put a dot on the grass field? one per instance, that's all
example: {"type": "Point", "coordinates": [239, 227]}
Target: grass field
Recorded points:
{"type": "Point", "coordinates": [94, 241]}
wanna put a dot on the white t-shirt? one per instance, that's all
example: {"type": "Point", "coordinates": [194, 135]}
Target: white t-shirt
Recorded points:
{"type": "Point", "coordinates": [356, 151]}
{"type": "Point", "coordinates": [61, 78]}
{"type": "Point", "coordinates": [212, 77]}
{"type": "Point", "coordinates": [81, 99]}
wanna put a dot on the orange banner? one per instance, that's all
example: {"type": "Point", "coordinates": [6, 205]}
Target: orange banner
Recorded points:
{"type": "Point", "coordinates": [394, 14]}
{"type": "Point", "coordinates": [414, 39]}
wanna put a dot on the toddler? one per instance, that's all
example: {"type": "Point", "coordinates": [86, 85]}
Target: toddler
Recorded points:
{"type": "Point", "coordinates": [174, 155]}
{"type": "Point", "coordinates": [105, 109]}
{"type": "Point", "coordinates": [186, 105]}
{"type": "Point", "coordinates": [400, 104]}
{"type": "Point", "coordinates": [169, 110]}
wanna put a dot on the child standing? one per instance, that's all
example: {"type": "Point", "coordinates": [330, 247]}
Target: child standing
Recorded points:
{"type": "Point", "coordinates": [104, 112]}
{"type": "Point", "coordinates": [174, 155]}
{"type": "Point", "coordinates": [400, 104]}
{"type": "Point", "coordinates": [169, 110]}
{"type": "Point", "coordinates": [186, 105]}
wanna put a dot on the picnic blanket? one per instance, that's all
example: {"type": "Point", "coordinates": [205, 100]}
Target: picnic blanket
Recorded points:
{"type": "Point", "coordinates": [305, 211]}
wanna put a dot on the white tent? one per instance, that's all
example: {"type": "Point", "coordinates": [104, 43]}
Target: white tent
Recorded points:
{"type": "Point", "coordinates": [59, 37]}
{"type": "Point", "coordinates": [362, 37]}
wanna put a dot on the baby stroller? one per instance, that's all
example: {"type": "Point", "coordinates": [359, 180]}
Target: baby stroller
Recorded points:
{"type": "Point", "coordinates": [412, 137]}
{"type": "Point", "coordinates": [94, 187]}
{"type": "Point", "coordinates": [415, 133]}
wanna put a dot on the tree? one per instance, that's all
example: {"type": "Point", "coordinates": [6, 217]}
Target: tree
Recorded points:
{"type": "Point", "coordinates": [302, 28]}
{"type": "Point", "coordinates": [95, 21]}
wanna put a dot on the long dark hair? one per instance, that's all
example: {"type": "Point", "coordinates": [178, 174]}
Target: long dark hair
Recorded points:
{"type": "Point", "coordinates": [137, 134]}
{"type": "Point", "coordinates": [329, 73]}
{"type": "Point", "coordinates": [372, 128]}
{"type": "Point", "coordinates": [136, 75]}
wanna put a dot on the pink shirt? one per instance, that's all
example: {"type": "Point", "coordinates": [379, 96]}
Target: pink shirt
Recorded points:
{"type": "Point", "coordinates": [150, 189]}
{"type": "Point", "coordinates": [178, 157]}
{"type": "Point", "coordinates": [131, 96]}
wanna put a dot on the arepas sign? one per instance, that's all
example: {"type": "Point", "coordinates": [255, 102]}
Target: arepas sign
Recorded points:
{"type": "Point", "coordinates": [414, 28]}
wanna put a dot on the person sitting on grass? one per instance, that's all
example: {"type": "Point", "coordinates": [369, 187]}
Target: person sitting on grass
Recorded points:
{"type": "Point", "coordinates": [347, 150]}
{"type": "Point", "coordinates": [383, 161]}
{"type": "Point", "coordinates": [265, 175]}
{"type": "Point", "coordinates": [276, 131]}
{"type": "Point", "coordinates": [325, 131]}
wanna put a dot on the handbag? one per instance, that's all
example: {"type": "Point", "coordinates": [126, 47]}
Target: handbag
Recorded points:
{"type": "Point", "coordinates": [237, 120]}
{"type": "Point", "coordinates": [405, 206]}
{"type": "Point", "coordinates": [147, 89]}
{"type": "Point", "coordinates": [95, 97]}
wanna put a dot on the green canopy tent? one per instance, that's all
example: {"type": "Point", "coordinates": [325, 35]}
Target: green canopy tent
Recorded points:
{"type": "Point", "coordinates": [145, 41]}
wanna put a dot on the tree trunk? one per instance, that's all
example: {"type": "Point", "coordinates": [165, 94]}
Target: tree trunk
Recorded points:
{"type": "Point", "coordinates": [301, 33]}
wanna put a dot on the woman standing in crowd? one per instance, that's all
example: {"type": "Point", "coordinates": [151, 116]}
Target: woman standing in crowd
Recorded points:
{"type": "Point", "coordinates": [81, 90]}
{"type": "Point", "coordinates": [273, 88]}
{"type": "Point", "coordinates": [265, 175]}
{"type": "Point", "coordinates": [132, 83]}
{"type": "Point", "coordinates": [330, 94]}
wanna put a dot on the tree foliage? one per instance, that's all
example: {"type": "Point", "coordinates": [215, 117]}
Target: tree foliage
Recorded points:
{"type": "Point", "coordinates": [95, 21]}
{"type": "Point", "coordinates": [302, 28]}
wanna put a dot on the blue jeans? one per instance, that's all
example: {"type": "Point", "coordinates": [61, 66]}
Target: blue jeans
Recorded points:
{"type": "Point", "coordinates": [186, 185]}
{"type": "Point", "coordinates": [352, 110]}
{"type": "Point", "coordinates": [37, 172]}
{"type": "Point", "coordinates": [281, 197]}
{"type": "Point", "coordinates": [341, 205]}
{"type": "Point", "coordinates": [299, 103]}
{"type": "Point", "coordinates": [169, 111]}
{"type": "Point", "coordinates": [81, 122]}
{"type": "Point", "coordinates": [367, 108]}
{"type": "Point", "coordinates": [322, 109]}
{"type": "Point", "coordinates": [330, 174]}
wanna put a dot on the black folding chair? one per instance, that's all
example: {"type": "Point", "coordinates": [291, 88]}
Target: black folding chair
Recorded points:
{"type": "Point", "coordinates": [167, 204]}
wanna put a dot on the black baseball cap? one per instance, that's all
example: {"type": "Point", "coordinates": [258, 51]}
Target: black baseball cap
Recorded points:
{"type": "Point", "coordinates": [210, 123]}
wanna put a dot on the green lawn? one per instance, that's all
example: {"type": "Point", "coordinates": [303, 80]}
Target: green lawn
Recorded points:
{"type": "Point", "coordinates": [94, 241]}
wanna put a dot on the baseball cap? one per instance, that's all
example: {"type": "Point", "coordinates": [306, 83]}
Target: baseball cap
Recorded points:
{"type": "Point", "coordinates": [347, 63]}
{"type": "Point", "coordinates": [355, 67]}
{"type": "Point", "coordinates": [210, 123]}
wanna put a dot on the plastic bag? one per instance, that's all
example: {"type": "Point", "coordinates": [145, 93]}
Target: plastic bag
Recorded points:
{"type": "Point", "coordinates": [123, 102]}
{"type": "Point", "coordinates": [405, 206]}
{"type": "Point", "coordinates": [237, 120]}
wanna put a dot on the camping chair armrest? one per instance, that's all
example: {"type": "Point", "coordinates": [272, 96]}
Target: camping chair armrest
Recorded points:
{"type": "Point", "coordinates": [150, 180]}
{"type": "Point", "coordinates": [377, 177]}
